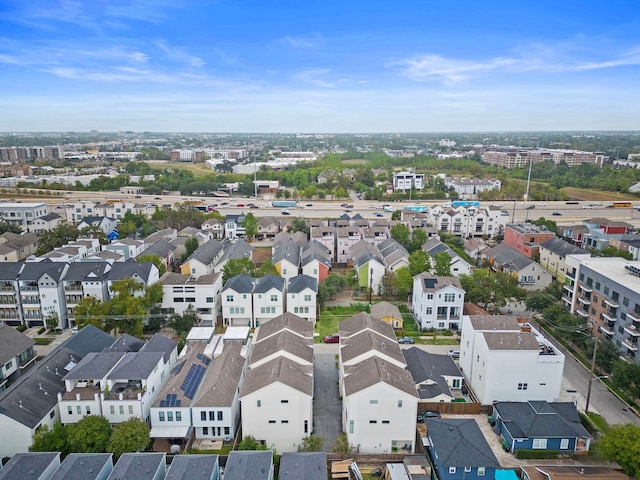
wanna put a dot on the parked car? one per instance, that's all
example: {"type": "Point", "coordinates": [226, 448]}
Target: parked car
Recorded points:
{"type": "Point", "coordinates": [406, 340]}
{"type": "Point", "coordinates": [556, 214]}
{"type": "Point", "coordinates": [530, 207]}
{"type": "Point", "coordinates": [333, 338]}
{"type": "Point", "coordinates": [428, 414]}
{"type": "Point", "coordinates": [379, 214]}
{"type": "Point", "coordinates": [454, 353]}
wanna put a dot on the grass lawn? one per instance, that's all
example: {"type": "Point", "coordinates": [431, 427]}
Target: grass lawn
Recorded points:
{"type": "Point", "coordinates": [223, 451]}
{"type": "Point", "coordinates": [198, 169]}
{"type": "Point", "coordinates": [596, 195]}
{"type": "Point", "coordinates": [43, 340]}
{"type": "Point", "coordinates": [330, 317]}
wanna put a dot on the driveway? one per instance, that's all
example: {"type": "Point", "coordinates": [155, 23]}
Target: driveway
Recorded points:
{"type": "Point", "coordinates": [327, 405]}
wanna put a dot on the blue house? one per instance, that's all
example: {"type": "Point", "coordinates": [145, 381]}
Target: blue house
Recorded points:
{"type": "Point", "coordinates": [458, 450]}
{"type": "Point", "coordinates": [540, 425]}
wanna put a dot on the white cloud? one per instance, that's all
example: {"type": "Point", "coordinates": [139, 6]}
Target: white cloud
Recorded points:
{"type": "Point", "coordinates": [180, 54]}
{"type": "Point", "coordinates": [321, 77]}
{"type": "Point", "coordinates": [302, 42]}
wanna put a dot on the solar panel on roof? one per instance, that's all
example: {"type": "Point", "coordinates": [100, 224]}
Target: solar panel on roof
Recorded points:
{"type": "Point", "coordinates": [177, 403]}
{"type": "Point", "coordinates": [162, 403]}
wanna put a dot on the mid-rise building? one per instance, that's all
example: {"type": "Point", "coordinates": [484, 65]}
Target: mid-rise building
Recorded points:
{"type": "Point", "coordinates": [437, 302]}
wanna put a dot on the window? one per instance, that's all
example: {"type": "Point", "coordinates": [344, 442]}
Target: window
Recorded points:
{"type": "Point", "coordinates": [52, 414]}
{"type": "Point", "coordinates": [452, 469]}
{"type": "Point", "coordinates": [274, 298]}
{"type": "Point", "coordinates": [449, 297]}
{"type": "Point", "coordinates": [467, 469]}
{"type": "Point", "coordinates": [130, 409]}
{"type": "Point", "coordinates": [229, 298]}
{"type": "Point", "coordinates": [87, 409]}
{"type": "Point", "coordinates": [306, 426]}
{"type": "Point", "coordinates": [160, 416]}
{"type": "Point", "coordinates": [209, 299]}
{"type": "Point", "coordinates": [220, 415]}
{"type": "Point", "coordinates": [112, 409]}
{"type": "Point", "coordinates": [284, 401]}
{"type": "Point", "coordinates": [399, 403]}
{"type": "Point", "coordinates": [350, 426]}
{"type": "Point", "coordinates": [373, 421]}
{"type": "Point", "coordinates": [226, 430]}
{"type": "Point", "coordinates": [539, 443]}
{"type": "Point", "coordinates": [78, 409]}
{"type": "Point", "coordinates": [178, 416]}
{"type": "Point", "coordinates": [625, 301]}
{"type": "Point", "coordinates": [203, 416]}
{"type": "Point", "coordinates": [212, 415]}
{"type": "Point", "coordinates": [272, 421]}
{"type": "Point", "coordinates": [205, 430]}
{"type": "Point", "coordinates": [385, 422]}
{"type": "Point", "coordinates": [307, 298]}
{"type": "Point", "coordinates": [522, 386]}
{"type": "Point", "coordinates": [70, 410]}
{"type": "Point", "coordinates": [169, 416]}
{"type": "Point", "coordinates": [615, 296]}
{"type": "Point", "coordinates": [373, 402]}
{"type": "Point", "coordinates": [606, 290]}
{"type": "Point", "coordinates": [258, 403]}
{"type": "Point", "coordinates": [429, 296]}
{"type": "Point", "coordinates": [429, 311]}
{"type": "Point", "coordinates": [564, 443]}
{"type": "Point", "coordinates": [284, 421]}
{"type": "Point", "coordinates": [121, 409]}
{"type": "Point", "coordinates": [481, 471]}
{"type": "Point", "coordinates": [8, 365]}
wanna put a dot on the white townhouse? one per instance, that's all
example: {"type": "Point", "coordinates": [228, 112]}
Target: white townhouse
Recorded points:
{"type": "Point", "coordinates": [302, 297]}
{"type": "Point", "coordinates": [143, 273]}
{"type": "Point", "coordinates": [236, 300]}
{"type": "Point", "coordinates": [215, 227]}
{"type": "Point", "coordinates": [286, 258]}
{"type": "Point", "coordinates": [379, 407]}
{"type": "Point", "coordinates": [458, 266]}
{"type": "Point", "coordinates": [81, 280]}
{"type": "Point", "coordinates": [203, 259]}
{"type": "Point", "coordinates": [277, 403]}
{"type": "Point", "coordinates": [505, 361]}
{"type": "Point", "coordinates": [203, 293]}
{"type": "Point", "coordinates": [22, 213]}
{"type": "Point", "coordinates": [119, 382]}
{"type": "Point", "coordinates": [437, 302]}
{"type": "Point", "coordinates": [42, 292]}
{"type": "Point", "coordinates": [286, 344]}
{"type": "Point", "coordinates": [287, 322]}
{"type": "Point", "coordinates": [268, 298]}
{"type": "Point", "coordinates": [10, 311]}
{"type": "Point", "coordinates": [127, 247]}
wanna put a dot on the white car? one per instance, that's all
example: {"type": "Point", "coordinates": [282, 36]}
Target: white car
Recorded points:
{"type": "Point", "coordinates": [597, 203]}
{"type": "Point", "coordinates": [587, 206]}
{"type": "Point", "coordinates": [542, 204]}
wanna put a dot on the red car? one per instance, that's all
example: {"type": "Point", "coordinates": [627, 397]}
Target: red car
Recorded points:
{"type": "Point", "coordinates": [333, 338]}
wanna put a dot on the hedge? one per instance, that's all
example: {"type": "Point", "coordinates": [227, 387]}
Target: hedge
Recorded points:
{"type": "Point", "coordinates": [537, 454]}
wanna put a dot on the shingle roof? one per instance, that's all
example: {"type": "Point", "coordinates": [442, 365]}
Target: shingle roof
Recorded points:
{"type": "Point", "coordinates": [509, 258]}
{"type": "Point", "coordinates": [13, 343]}
{"type": "Point", "coordinates": [192, 467]}
{"type": "Point", "coordinates": [222, 378]}
{"type": "Point", "coordinates": [285, 322]}
{"type": "Point", "coordinates": [136, 366]}
{"type": "Point", "coordinates": [301, 282]}
{"type": "Point", "coordinates": [307, 465]}
{"type": "Point", "coordinates": [94, 366]}
{"type": "Point", "coordinates": [268, 282]}
{"type": "Point", "coordinates": [432, 283]}
{"type": "Point", "coordinates": [244, 465]}
{"type": "Point", "coordinates": [235, 249]}
{"type": "Point", "coordinates": [460, 443]}
{"type": "Point", "coordinates": [126, 343]}
{"type": "Point", "coordinates": [206, 253]}
{"type": "Point", "coordinates": [560, 247]}
{"type": "Point", "coordinates": [11, 270]}
{"type": "Point", "coordinates": [123, 270]}
{"type": "Point", "coordinates": [138, 466]}
{"type": "Point", "coordinates": [429, 367]}
{"type": "Point", "coordinates": [191, 355]}
{"type": "Point", "coordinates": [540, 419]}
{"type": "Point", "coordinates": [279, 370]}
{"type": "Point", "coordinates": [240, 283]}
{"type": "Point", "coordinates": [80, 271]}
{"type": "Point", "coordinates": [29, 465]}
{"type": "Point", "coordinates": [375, 370]}
{"type": "Point", "coordinates": [363, 321]}
{"type": "Point", "coordinates": [286, 342]}
{"type": "Point", "coordinates": [82, 466]}
{"type": "Point", "coordinates": [161, 249]}
{"type": "Point", "coordinates": [368, 341]}
{"type": "Point", "coordinates": [287, 250]}
{"type": "Point", "coordinates": [160, 343]}
{"type": "Point", "coordinates": [383, 309]}
{"type": "Point", "coordinates": [34, 271]}
{"type": "Point", "coordinates": [33, 395]}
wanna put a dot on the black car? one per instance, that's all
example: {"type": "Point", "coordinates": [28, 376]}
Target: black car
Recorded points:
{"type": "Point", "coordinates": [428, 414]}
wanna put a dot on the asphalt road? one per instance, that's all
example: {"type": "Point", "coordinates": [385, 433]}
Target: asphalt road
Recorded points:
{"type": "Point", "coordinates": [327, 405]}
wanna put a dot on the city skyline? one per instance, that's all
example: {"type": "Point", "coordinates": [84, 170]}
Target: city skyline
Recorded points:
{"type": "Point", "coordinates": [407, 66]}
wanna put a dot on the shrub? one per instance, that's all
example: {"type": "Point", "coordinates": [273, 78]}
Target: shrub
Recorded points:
{"type": "Point", "coordinates": [537, 454]}
{"type": "Point", "coordinates": [21, 328]}
{"type": "Point", "coordinates": [41, 330]}
{"type": "Point", "coordinates": [43, 340]}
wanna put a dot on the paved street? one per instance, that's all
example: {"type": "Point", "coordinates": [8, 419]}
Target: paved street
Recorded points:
{"type": "Point", "coordinates": [327, 406]}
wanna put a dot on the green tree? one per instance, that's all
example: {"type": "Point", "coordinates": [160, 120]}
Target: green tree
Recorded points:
{"type": "Point", "coordinates": [614, 252]}
{"type": "Point", "coordinates": [59, 236]}
{"type": "Point", "coordinates": [250, 443]}
{"type": "Point", "coordinates": [126, 228]}
{"type": "Point", "coordinates": [130, 436]}
{"type": "Point", "coordinates": [55, 440]}
{"type": "Point", "coordinates": [267, 268]}
{"type": "Point", "coordinates": [396, 215]}
{"type": "Point", "coordinates": [156, 260]}
{"type": "Point", "coordinates": [418, 238]}
{"type": "Point", "coordinates": [90, 435]}
{"type": "Point", "coordinates": [539, 301]}
{"type": "Point", "coordinates": [550, 224]}
{"type": "Point", "coordinates": [404, 280]}
{"type": "Point", "coordinates": [299, 224]}
{"type": "Point", "coordinates": [191, 245]}
{"type": "Point", "coordinates": [621, 444]}
{"type": "Point", "coordinates": [419, 261]}
{"type": "Point", "coordinates": [389, 285]}
{"type": "Point", "coordinates": [250, 225]}
{"type": "Point", "coordinates": [342, 445]}
{"type": "Point", "coordinates": [51, 321]}
{"type": "Point", "coordinates": [9, 227]}
{"type": "Point", "coordinates": [312, 443]}
{"type": "Point", "coordinates": [491, 290]}
{"type": "Point", "coordinates": [442, 264]}
{"type": "Point", "coordinates": [237, 266]}
{"type": "Point", "coordinates": [401, 234]}
{"type": "Point", "coordinates": [183, 323]}
{"type": "Point", "coordinates": [626, 376]}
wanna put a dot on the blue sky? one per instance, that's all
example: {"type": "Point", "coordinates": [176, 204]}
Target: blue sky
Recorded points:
{"type": "Point", "coordinates": [311, 66]}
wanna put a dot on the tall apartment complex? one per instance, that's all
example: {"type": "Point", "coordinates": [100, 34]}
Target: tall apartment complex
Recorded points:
{"type": "Point", "coordinates": [509, 157]}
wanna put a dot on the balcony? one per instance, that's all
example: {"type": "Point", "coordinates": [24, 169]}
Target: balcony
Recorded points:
{"type": "Point", "coordinates": [29, 288]}
{"type": "Point", "coordinates": [73, 288]}
{"type": "Point", "coordinates": [584, 300]}
{"type": "Point", "coordinates": [607, 329]}
{"type": "Point", "coordinates": [611, 303]}
{"type": "Point", "coordinates": [634, 317]}
{"type": "Point", "coordinates": [607, 316]}
{"type": "Point", "coordinates": [10, 290]}
{"type": "Point", "coordinates": [632, 330]}
{"type": "Point", "coordinates": [633, 346]}
{"type": "Point", "coordinates": [582, 313]}
{"type": "Point", "coordinates": [586, 288]}
{"type": "Point", "coordinates": [567, 287]}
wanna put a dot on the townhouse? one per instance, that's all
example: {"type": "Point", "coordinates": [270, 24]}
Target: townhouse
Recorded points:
{"type": "Point", "coordinates": [302, 297]}
{"type": "Point", "coordinates": [268, 298]}
{"type": "Point", "coordinates": [530, 274]}
{"type": "Point", "coordinates": [437, 302]}
{"type": "Point", "coordinates": [458, 265]}
{"type": "Point", "coordinates": [202, 293]}
{"type": "Point", "coordinates": [16, 355]}
{"type": "Point", "coordinates": [285, 257]}
{"type": "Point", "coordinates": [553, 254]}
{"type": "Point", "coordinates": [315, 260]}
{"type": "Point", "coordinates": [16, 248]}
{"type": "Point", "coordinates": [368, 263]}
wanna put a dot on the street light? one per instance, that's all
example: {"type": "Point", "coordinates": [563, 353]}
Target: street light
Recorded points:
{"type": "Point", "coordinates": [586, 407]}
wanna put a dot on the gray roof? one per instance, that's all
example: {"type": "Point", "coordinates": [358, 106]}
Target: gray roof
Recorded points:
{"type": "Point", "coordinates": [494, 322]}
{"type": "Point", "coordinates": [135, 366]}
{"type": "Point", "coordinates": [363, 321]}
{"type": "Point", "coordinates": [368, 341]}
{"type": "Point", "coordinates": [33, 271]}
{"type": "Point", "coordinates": [433, 246]}
{"type": "Point", "coordinates": [193, 467]}
{"type": "Point", "coordinates": [301, 282]}
{"type": "Point", "coordinates": [94, 366]}
{"type": "Point", "coordinates": [222, 378]}
{"type": "Point", "coordinates": [126, 343]}
{"type": "Point", "coordinates": [279, 370]}
{"type": "Point", "coordinates": [244, 465]}
{"type": "Point", "coordinates": [235, 249]}
{"type": "Point", "coordinates": [392, 251]}
{"type": "Point", "coordinates": [33, 395]}
{"type": "Point", "coordinates": [240, 283]}
{"type": "Point", "coordinates": [562, 248]}
{"type": "Point", "coordinates": [160, 343]}
{"type": "Point", "coordinates": [80, 271]}
{"type": "Point", "coordinates": [363, 252]}
{"type": "Point", "coordinates": [138, 466]}
{"type": "Point", "coordinates": [425, 367]}
{"type": "Point", "coordinates": [12, 343]}
{"type": "Point", "coordinates": [460, 443]}
{"type": "Point", "coordinates": [207, 252]}
{"type": "Point", "coordinates": [303, 466]}
{"type": "Point", "coordinates": [431, 283]}
{"type": "Point", "coordinates": [287, 250]}
{"type": "Point", "coordinates": [130, 268]}
{"type": "Point", "coordinates": [10, 270]}
{"type": "Point", "coordinates": [49, 217]}
{"type": "Point", "coordinates": [285, 322]}
{"type": "Point", "coordinates": [268, 282]}
{"type": "Point", "coordinates": [511, 341]}
{"type": "Point", "coordinates": [161, 249]}
{"type": "Point", "coordinates": [375, 370]}
{"type": "Point", "coordinates": [285, 342]}
{"type": "Point", "coordinates": [23, 466]}
{"type": "Point", "coordinates": [193, 354]}
{"type": "Point", "coordinates": [540, 419]}
{"type": "Point", "coordinates": [508, 258]}
{"type": "Point", "coordinates": [384, 309]}
{"type": "Point", "coordinates": [314, 250]}
{"type": "Point", "coordinates": [83, 466]}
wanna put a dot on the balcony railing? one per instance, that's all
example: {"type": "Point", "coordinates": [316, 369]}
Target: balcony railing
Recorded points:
{"type": "Point", "coordinates": [582, 313]}
{"type": "Point", "coordinates": [586, 288]}
{"type": "Point", "coordinates": [584, 300]}
{"type": "Point", "coordinates": [609, 317]}
{"type": "Point", "coordinates": [28, 288]}
{"type": "Point", "coordinates": [607, 329]}
{"type": "Point", "coordinates": [633, 346]}
{"type": "Point", "coordinates": [632, 330]}
{"type": "Point", "coordinates": [634, 317]}
{"type": "Point", "coordinates": [611, 303]}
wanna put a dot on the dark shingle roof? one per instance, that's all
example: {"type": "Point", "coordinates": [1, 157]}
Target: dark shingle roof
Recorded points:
{"type": "Point", "coordinates": [287, 250]}
{"type": "Point", "coordinates": [138, 466]}
{"type": "Point", "coordinates": [192, 467]}
{"type": "Point", "coordinates": [222, 378]}
{"type": "Point", "coordinates": [303, 465]}
{"type": "Point", "coordinates": [207, 252]}
{"type": "Point", "coordinates": [244, 465]}
{"type": "Point", "coordinates": [161, 249]}
{"type": "Point", "coordinates": [80, 271]}
{"type": "Point", "coordinates": [94, 366]}
{"type": "Point", "coordinates": [460, 443]}
{"type": "Point", "coordinates": [160, 343]}
{"type": "Point", "coordinates": [428, 367]}
{"type": "Point", "coordinates": [266, 283]}
{"type": "Point", "coordinates": [10, 270]}
{"type": "Point", "coordinates": [12, 343]}
{"type": "Point", "coordinates": [301, 282]}
{"type": "Point", "coordinates": [508, 258]}
{"type": "Point", "coordinates": [33, 271]}
{"type": "Point", "coordinates": [562, 248]}
{"type": "Point", "coordinates": [240, 283]}
{"type": "Point", "coordinates": [29, 465]}
{"type": "Point", "coordinates": [136, 366]}
{"type": "Point", "coordinates": [83, 466]}
{"type": "Point", "coordinates": [123, 270]}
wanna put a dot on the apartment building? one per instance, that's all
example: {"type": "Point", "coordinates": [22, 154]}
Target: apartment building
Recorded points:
{"type": "Point", "coordinates": [437, 302]}
{"type": "Point", "coordinates": [526, 238]}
